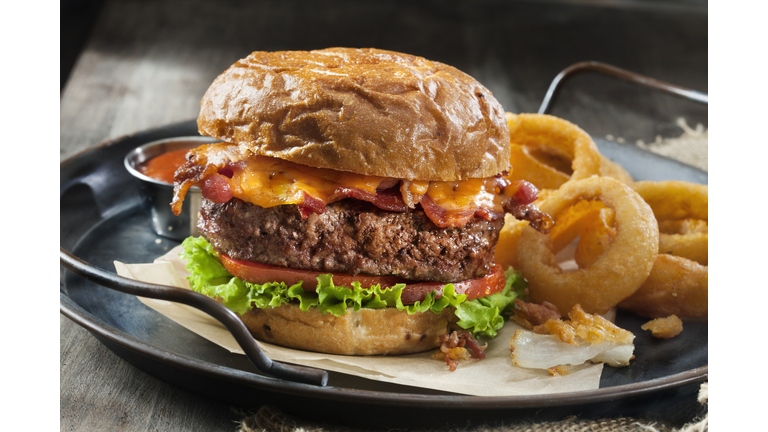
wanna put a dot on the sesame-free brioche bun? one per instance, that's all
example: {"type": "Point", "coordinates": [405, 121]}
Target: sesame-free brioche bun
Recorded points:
{"type": "Point", "coordinates": [366, 111]}
{"type": "Point", "coordinates": [362, 332]}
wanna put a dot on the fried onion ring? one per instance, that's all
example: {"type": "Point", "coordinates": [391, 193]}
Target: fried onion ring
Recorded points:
{"type": "Point", "coordinates": [616, 274]}
{"type": "Point", "coordinates": [687, 238]}
{"type": "Point", "coordinates": [678, 283]}
{"type": "Point", "coordinates": [683, 226]}
{"type": "Point", "coordinates": [594, 238]}
{"type": "Point", "coordinates": [572, 221]}
{"type": "Point", "coordinates": [609, 168]}
{"type": "Point", "coordinates": [526, 166]}
{"type": "Point", "coordinates": [675, 200]}
{"type": "Point", "coordinates": [676, 286]}
{"type": "Point", "coordinates": [694, 246]}
{"type": "Point", "coordinates": [506, 247]}
{"type": "Point", "coordinates": [548, 151]}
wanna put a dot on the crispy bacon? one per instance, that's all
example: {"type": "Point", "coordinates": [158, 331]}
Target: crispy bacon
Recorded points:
{"type": "Point", "coordinates": [389, 199]}
{"type": "Point", "coordinates": [216, 188]}
{"type": "Point", "coordinates": [211, 167]}
{"type": "Point", "coordinates": [452, 345]}
{"type": "Point", "coordinates": [444, 218]}
{"type": "Point", "coordinates": [521, 192]}
{"type": "Point", "coordinates": [310, 205]}
{"type": "Point", "coordinates": [539, 220]}
{"type": "Point", "coordinates": [530, 315]}
{"type": "Point", "coordinates": [185, 177]}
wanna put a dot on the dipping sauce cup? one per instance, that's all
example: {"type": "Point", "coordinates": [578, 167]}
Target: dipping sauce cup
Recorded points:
{"type": "Point", "coordinates": [157, 194]}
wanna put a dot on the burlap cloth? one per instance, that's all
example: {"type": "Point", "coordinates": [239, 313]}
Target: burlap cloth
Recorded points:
{"type": "Point", "coordinates": [689, 148]}
{"type": "Point", "coordinates": [271, 419]}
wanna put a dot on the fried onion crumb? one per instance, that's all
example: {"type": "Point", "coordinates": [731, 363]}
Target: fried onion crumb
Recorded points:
{"type": "Point", "coordinates": [664, 328]}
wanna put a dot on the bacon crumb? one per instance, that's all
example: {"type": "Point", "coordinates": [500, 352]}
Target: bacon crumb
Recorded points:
{"type": "Point", "coordinates": [532, 315]}
{"type": "Point", "coordinates": [454, 346]}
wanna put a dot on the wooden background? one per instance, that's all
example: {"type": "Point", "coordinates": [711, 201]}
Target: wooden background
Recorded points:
{"type": "Point", "coordinates": [148, 63]}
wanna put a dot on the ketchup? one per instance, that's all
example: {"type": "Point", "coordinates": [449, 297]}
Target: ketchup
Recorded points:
{"type": "Point", "coordinates": [164, 166]}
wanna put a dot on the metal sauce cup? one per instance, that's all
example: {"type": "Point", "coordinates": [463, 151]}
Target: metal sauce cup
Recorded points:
{"type": "Point", "coordinates": [157, 195]}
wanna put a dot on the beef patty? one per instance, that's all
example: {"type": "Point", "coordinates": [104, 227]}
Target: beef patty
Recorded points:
{"type": "Point", "coordinates": [351, 237]}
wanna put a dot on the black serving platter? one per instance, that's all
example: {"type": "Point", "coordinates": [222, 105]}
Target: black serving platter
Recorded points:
{"type": "Point", "coordinates": [102, 221]}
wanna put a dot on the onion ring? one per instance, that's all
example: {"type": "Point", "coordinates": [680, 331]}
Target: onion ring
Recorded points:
{"type": "Point", "coordinates": [572, 221]}
{"type": "Point", "coordinates": [687, 238]}
{"type": "Point", "coordinates": [527, 167]}
{"type": "Point", "coordinates": [683, 226]}
{"type": "Point", "coordinates": [609, 168]}
{"type": "Point", "coordinates": [506, 247]}
{"type": "Point", "coordinates": [675, 199]}
{"type": "Point", "coordinates": [678, 283]}
{"type": "Point", "coordinates": [595, 237]}
{"type": "Point", "coordinates": [542, 143]}
{"type": "Point", "coordinates": [676, 286]}
{"type": "Point", "coordinates": [616, 274]}
{"type": "Point", "coordinates": [694, 246]}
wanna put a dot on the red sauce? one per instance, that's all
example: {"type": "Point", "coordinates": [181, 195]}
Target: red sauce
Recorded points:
{"type": "Point", "coordinates": [162, 167]}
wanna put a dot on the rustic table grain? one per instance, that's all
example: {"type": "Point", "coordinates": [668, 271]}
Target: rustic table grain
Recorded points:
{"type": "Point", "coordinates": [147, 64]}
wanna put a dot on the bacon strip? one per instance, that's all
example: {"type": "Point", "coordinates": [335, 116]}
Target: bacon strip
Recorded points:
{"type": "Point", "coordinates": [388, 199]}
{"type": "Point", "coordinates": [442, 217]}
{"type": "Point", "coordinates": [310, 205]}
{"type": "Point", "coordinates": [539, 220]}
{"type": "Point", "coordinates": [189, 174]}
{"type": "Point", "coordinates": [211, 168]}
{"type": "Point", "coordinates": [216, 188]}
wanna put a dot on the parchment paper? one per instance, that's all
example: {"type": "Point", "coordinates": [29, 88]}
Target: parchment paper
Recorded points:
{"type": "Point", "coordinates": [493, 376]}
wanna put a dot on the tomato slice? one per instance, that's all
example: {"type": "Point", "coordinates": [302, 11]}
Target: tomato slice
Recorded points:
{"type": "Point", "coordinates": [414, 291]}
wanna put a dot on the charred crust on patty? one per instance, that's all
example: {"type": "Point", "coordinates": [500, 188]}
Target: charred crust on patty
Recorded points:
{"type": "Point", "coordinates": [352, 237]}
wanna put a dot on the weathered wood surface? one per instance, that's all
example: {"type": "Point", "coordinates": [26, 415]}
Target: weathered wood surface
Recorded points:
{"type": "Point", "coordinates": [147, 64]}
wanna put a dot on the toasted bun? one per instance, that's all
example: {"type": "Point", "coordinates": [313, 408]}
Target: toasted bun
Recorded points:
{"type": "Point", "coordinates": [362, 332]}
{"type": "Point", "coordinates": [366, 111]}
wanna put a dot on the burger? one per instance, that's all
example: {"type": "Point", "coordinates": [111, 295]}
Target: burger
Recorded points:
{"type": "Point", "coordinates": [354, 202]}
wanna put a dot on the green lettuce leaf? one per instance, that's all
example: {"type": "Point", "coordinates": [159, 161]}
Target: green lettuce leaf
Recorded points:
{"type": "Point", "coordinates": [208, 276]}
{"type": "Point", "coordinates": [485, 315]}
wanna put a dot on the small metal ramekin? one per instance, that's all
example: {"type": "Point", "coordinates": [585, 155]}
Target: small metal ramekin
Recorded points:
{"type": "Point", "coordinates": [157, 195]}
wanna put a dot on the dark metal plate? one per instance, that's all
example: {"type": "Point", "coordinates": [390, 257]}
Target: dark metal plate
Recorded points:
{"type": "Point", "coordinates": [102, 221]}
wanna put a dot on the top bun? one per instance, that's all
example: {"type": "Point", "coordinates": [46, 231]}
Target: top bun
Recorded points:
{"type": "Point", "coordinates": [366, 111]}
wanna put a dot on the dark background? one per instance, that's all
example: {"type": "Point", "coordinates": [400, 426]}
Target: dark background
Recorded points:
{"type": "Point", "coordinates": [515, 48]}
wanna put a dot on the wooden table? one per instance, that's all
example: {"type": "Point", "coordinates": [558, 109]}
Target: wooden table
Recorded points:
{"type": "Point", "coordinates": [147, 64]}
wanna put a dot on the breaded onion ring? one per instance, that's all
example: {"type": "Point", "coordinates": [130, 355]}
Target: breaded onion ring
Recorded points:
{"type": "Point", "coordinates": [616, 274]}
{"type": "Point", "coordinates": [694, 246]}
{"type": "Point", "coordinates": [595, 237]}
{"type": "Point", "coordinates": [687, 238]}
{"type": "Point", "coordinates": [609, 168]}
{"type": "Point", "coordinates": [506, 247]}
{"type": "Point", "coordinates": [676, 286]}
{"type": "Point", "coordinates": [549, 151]}
{"type": "Point", "coordinates": [683, 226]}
{"type": "Point", "coordinates": [526, 166]}
{"type": "Point", "coordinates": [675, 199]}
{"type": "Point", "coordinates": [572, 221]}
{"type": "Point", "coordinates": [678, 283]}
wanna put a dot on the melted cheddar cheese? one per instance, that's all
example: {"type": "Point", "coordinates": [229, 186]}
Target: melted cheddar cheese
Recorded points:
{"type": "Point", "coordinates": [268, 182]}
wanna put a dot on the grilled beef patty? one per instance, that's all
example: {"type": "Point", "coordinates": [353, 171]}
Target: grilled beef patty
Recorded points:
{"type": "Point", "coordinates": [352, 237]}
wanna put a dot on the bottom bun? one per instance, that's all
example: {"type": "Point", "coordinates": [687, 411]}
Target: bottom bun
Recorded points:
{"type": "Point", "coordinates": [362, 332]}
